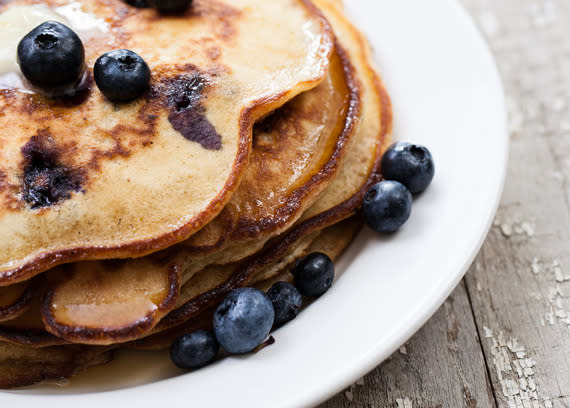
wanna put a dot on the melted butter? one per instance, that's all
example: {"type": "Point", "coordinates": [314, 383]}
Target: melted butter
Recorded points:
{"type": "Point", "coordinates": [18, 21]}
{"type": "Point", "coordinates": [86, 25]}
{"type": "Point", "coordinates": [109, 315]}
{"type": "Point", "coordinates": [15, 23]}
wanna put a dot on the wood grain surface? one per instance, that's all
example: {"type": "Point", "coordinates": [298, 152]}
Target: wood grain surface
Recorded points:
{"type": "Point", "coordinates": [503, 338]}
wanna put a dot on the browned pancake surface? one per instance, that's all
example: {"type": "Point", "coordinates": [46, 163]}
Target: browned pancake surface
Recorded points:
{"type": "Point", "coordinates": [20, 365]}
{"type": "Point", "coordinates": [296, 153]}
{"type": "Point", "coordinates": [15, 299]}
{"type": "Point", "coordinates": [331, 241]}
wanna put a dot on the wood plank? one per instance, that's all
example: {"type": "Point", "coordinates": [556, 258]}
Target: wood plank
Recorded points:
{"type": "Point", "coordinates": [520, 282]}
{"type": "Point", "coordinates": [441, 366]}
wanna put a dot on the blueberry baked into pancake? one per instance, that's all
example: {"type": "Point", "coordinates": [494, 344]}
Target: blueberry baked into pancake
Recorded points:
{"type": "Point", "coordinates": [158, 157]}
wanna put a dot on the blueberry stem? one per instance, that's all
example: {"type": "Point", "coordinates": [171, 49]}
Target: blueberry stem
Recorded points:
{"type": "Point", "coordinates": [266, 343]}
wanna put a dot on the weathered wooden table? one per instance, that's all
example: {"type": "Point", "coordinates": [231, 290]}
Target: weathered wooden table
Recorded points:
{"type": "Point", "coordinates": [503, 337]}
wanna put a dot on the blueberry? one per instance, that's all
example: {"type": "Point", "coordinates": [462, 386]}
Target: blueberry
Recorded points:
{"type": "Point", "coordinates": [194, 350]}
{"type": "Point", "coordinates": [138, 3]}
{"type": "Point", "coordinates": [287, 302]}
{"type": "Point", "coordinates": [121, 75]}
{"type": "Point", "coordinates": [387, 206]}
{"type": "Point", "coordinates": [314, 274]}
{"type": "Point", "coordinates": [52, 57]}
{"type": "Point", "coordinates": [243, 320]}
{"type": "Point", "coordinates": [170, 6]}
{"type": "Point", "coordinates": [410, 164]}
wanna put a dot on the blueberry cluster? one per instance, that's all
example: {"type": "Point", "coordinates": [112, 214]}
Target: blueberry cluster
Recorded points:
{"type": "Point", "coordinates": [407, 169]}
{"type": "Point", "coordinates": [246, 316]}
{"type": "Point", "coordinates": [52, 59]}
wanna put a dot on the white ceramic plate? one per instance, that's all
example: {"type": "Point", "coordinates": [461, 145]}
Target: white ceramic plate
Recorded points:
{"type": "Point", "coordinates": [448, 96]}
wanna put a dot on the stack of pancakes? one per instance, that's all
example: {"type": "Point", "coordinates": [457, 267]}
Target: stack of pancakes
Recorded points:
{"type": "Point", "coordinates": [125, 225]}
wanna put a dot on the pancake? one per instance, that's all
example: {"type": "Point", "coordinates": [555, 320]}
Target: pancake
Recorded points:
{"type": "Point", "coordinates": [15, 299]}
{"type": "Point", "coordinates": [358, 172]}
{"type": "Point", "coordinates": [360, 168]}
{"type": "Point", "coordinates": [356, 175]}
{"type": "Point", "coordinates": [331, 241]}
{"type": "Point", "coordinates": [27, 329]}
{"type": "Point", "coordinates": [297, 151]}
{"type": "Point", "coordinates": [20, 366]}
{"type": "Point", "coordinates": [83, 178]}
{"type": "Point", "coordinates": [211, 285]}
{"type": "Point", "coordinates": [110, 301]}
{"type": "Point", "coordinates": [126, 291]}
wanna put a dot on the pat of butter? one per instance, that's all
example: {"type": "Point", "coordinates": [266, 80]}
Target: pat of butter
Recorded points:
{"type": "Point", "coordinates": [15, 23]}
{"type": "Point", "coordinates": [18, 21]}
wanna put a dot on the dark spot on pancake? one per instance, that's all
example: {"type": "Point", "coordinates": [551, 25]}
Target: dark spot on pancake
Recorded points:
{"type": "Point", "coordinates": [46, 180]}
{"type": "Point", "coordinates": [184, 94]}
{"type": "Point", "coordinates": [185, 91]}
{"type": "Point", "coordinates": [267, 124]}
{"type": "Point", "coordinates": [80, 95]}
{"type": "Point", "coordinates": [3, 179]}
{"type": "Point", "coordinates": [226, 30]}
{"type": "Point", "coordinates": [214, 8]}
{"type": "Point", "coordinates": [111, 264]}
{"type": "Point", "coordinates": [139, 3]}
{"type": "Point", "coordinates": [195, 127]}
{"type": "Point", "coordinates": [276, 125]}
{"type": "Point", "coordinates": [213, 52]}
